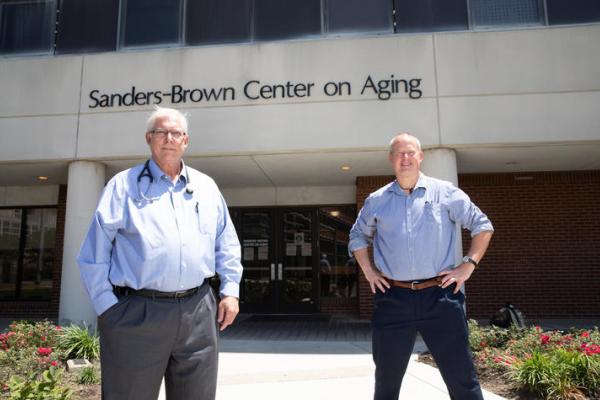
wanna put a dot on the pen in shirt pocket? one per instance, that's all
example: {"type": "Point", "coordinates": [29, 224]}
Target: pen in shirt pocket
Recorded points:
{"type": "Point", "coordinates": [196, 207]}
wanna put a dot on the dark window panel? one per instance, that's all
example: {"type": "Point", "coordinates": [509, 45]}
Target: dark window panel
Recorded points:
{"type": "Point", "coordinates": [27, 27]}
{"type": "Point", "coordinates": [10, 238]}
{"type": "Point", "coordinates": [431, 15]}
{"type": "Point", "coordinates": [149, 22]}
{"type": "Point", "coordinates": [359, 15]}
{"type": "Point", "coordinates": [39, 254]}
{"type": "Point", "coordinates": [572, 11]}
{"type": "Point", "coordinates": [277, 19]}
{"type": "Point", "coordinates": [87, 26]}
{"type": "Point", "coordinates": [505, 12]}
{"type": "Point", "coordinates": [218, 21]}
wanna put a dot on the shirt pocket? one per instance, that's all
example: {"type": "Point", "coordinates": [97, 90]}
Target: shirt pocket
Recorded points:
{"type": "Point", "coordinates": [433, 213]}
{"type": "Point", "coordinates": [206, 215]}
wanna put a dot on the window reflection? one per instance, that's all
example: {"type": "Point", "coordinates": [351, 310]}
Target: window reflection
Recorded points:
{"type": "Point", "coordinates": [10, 232]}
{"type": "Point", "coordinates": [27, 258]}
{"type": "Point", "coordinates": [337, 270]}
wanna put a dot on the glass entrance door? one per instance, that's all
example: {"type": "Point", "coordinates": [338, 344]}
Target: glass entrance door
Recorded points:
{"type": "Point", "coordinates": [278, 254]}
{"type": "Point", "coordinates": [297, 261]}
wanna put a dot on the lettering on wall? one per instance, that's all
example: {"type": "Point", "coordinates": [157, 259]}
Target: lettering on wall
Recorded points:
{"type": "Point", "coordinates": [256, 90]}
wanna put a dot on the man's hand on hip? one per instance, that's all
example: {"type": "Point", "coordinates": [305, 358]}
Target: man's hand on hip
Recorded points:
{"type": "Point", "coordinates": [377, 281]}
{"type": "Point", "coordinates": [458, 275]}
{"type": "Point", "coordinates": [228, 310]}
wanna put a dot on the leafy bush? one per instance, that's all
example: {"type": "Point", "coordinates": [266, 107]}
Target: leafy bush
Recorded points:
{"type": "Point", "coordinates": [28, 348]}
{"type": "Point", "coordinates": [78, 342]}
{"type": "Point", "coordinates": [47, 387]}
{"type": "Point", "coordinates": [88, 376]}
{"type": "Point", "coordinates": [552, 364]}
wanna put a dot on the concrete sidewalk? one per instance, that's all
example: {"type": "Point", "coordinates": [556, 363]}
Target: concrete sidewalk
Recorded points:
{"type": "Point", "coordinates": [314, 370]}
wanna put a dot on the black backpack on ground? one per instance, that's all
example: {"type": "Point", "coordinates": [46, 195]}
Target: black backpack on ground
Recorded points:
{"type": "Point", "coordinates": [508, 316]}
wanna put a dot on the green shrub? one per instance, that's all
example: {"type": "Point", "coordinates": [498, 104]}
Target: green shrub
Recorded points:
{"type": "Point", "coordinates": [88, 376]}
{"type": "Point", "coordinates": [78, 342]}
{"type": "Point", "coordinates": [23, 334]}
{"type": "Point", "coordinates": [488, 336]}
{"type": "Point", "coordinates": [45, 387]}
{"type": "Point", "coordinates": [558, 374]}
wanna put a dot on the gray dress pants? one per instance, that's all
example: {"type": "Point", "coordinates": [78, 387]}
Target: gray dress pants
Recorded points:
{"type": "Point", "coordinates": [143, 340]}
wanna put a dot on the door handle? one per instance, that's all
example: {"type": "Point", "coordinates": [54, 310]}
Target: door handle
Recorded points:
{"type": "Point", "coordinates": [272, 272]}
{"type": "Point", "coordinates": [280, 266]}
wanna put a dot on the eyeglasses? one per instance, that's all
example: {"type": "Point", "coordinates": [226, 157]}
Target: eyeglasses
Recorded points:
{"type": "Point", "coordinates": [402, 154]}
{"type": "Point", "coordinates": [162, 133]}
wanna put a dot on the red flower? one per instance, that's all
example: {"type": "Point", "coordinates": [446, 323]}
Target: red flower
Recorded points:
{"type": "Point", "coordinates": [544, 339]}
{"type": "Point", "coordinates": [585, 334]}
{"type": "Point", "coordinates": [58, 327]}
{"type": "Point", "coordinates": [54, 363]}
{"type": "Point", "coordinates": [43, 338]}
{"type": "Point", "coordinates": [44, 351]}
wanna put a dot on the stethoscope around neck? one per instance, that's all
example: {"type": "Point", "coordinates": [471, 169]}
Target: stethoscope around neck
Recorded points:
{"type": "Point", "coordinates": [145, 173]}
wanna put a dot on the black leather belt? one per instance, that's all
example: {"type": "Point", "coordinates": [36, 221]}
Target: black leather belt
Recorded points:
{"type": "Point", "coordinates": [155, 294]}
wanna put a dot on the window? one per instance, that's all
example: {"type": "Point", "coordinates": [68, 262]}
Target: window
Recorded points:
{"type": "Point", "coordinates": [150, 22]}
{"type": "Point", "coordinates": [27, 26]}
{"type": "Point", "coordinates": [218, 21]}
{"type": "Point", "coordinates": [277, 19]}
{"type": "Point", "coordinates": [87, 25]}
{"type": "Point", "coordinates": [338, 272]}
{"type": "Point", "coordinates": [431, 15]}
{"type": "Point", "coordinates": [359, 16]}
{"type": "Point", "coordinates": [572, 11]}
{"type": "Point", "coordinates": [27, 253]}
{"type": "Point", "coordinates": [487, 13]}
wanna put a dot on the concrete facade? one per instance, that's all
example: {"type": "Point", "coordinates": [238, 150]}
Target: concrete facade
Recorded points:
{"type": "Point", "coordinates": [486, 102]}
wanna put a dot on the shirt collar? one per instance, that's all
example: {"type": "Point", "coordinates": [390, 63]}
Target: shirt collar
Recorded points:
{"type": "Point", "coordinates": [422, 182]}
{"type": "Point", "coordinates": [157, 172]}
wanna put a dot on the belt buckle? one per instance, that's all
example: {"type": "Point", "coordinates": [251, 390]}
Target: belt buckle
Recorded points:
{"type": "Point", "coordinates": [412, 285]}
{"type": "Point", "coordinates": [180, 293]}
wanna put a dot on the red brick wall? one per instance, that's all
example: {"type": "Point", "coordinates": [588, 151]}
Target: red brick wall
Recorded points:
{"type": "Point", "coordinates": [43, 309]}
{"type": "Point", "coordinates": [545, 253]}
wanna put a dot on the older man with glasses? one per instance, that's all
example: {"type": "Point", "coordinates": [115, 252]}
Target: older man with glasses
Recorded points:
{"type": "Point", "coordinates": [160, 231]}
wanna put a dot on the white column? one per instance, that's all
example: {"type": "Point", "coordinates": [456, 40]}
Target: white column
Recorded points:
{"type": "Point", "coordinates": [441, 164]}
{"type": "Point", "coordinates": [85, 184]}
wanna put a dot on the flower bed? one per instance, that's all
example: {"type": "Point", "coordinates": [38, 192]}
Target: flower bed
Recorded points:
{"type": "Point", "coordinates": [549, 365]}
{"type": "Point", "coordinates": [535, 364]}
{"type": "Point", "coordinates": [33, 358]}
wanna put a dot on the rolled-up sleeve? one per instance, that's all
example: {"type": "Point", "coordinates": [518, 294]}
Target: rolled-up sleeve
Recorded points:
{"type": "Point", "coordinates": [227, 254]}
{"type": "Point", "coordinates": [361, 234]}
{"type": "Point", "coordinates": [462, 210]}
{"type": "Point", "coordinates": [95, 254]}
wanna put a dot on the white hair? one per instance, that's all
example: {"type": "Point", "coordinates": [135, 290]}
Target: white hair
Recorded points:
{"type": "Point", "coordinates": [160, 112]}
{"type": "Point", "coordinates": [414, 138]}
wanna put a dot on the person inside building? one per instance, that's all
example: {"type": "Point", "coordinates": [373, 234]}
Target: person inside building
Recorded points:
{"type": "Point", "coordinates": [417, 285]}
{"type": "Point", "coordinates": [160, 231]}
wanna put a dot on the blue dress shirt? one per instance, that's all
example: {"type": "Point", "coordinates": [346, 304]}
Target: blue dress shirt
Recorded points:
{"type": "Point", "coordinates": [170, 241]}
{"type": "Point", "coordinates": [414, 235]}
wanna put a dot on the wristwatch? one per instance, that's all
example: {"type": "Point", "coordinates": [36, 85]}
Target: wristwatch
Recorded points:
{"type": "Point", "coordinates": [467, 259]}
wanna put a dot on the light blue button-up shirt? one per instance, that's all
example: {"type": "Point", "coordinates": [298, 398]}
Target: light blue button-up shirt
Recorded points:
{"type": "Point", "coordinates": [414, 235]}
{"type": "Point", "coordinates": [170, 241]}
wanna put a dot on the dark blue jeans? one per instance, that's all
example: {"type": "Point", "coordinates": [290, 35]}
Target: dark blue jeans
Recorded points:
{"type": "Point", "coordinates": [438, 315]}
